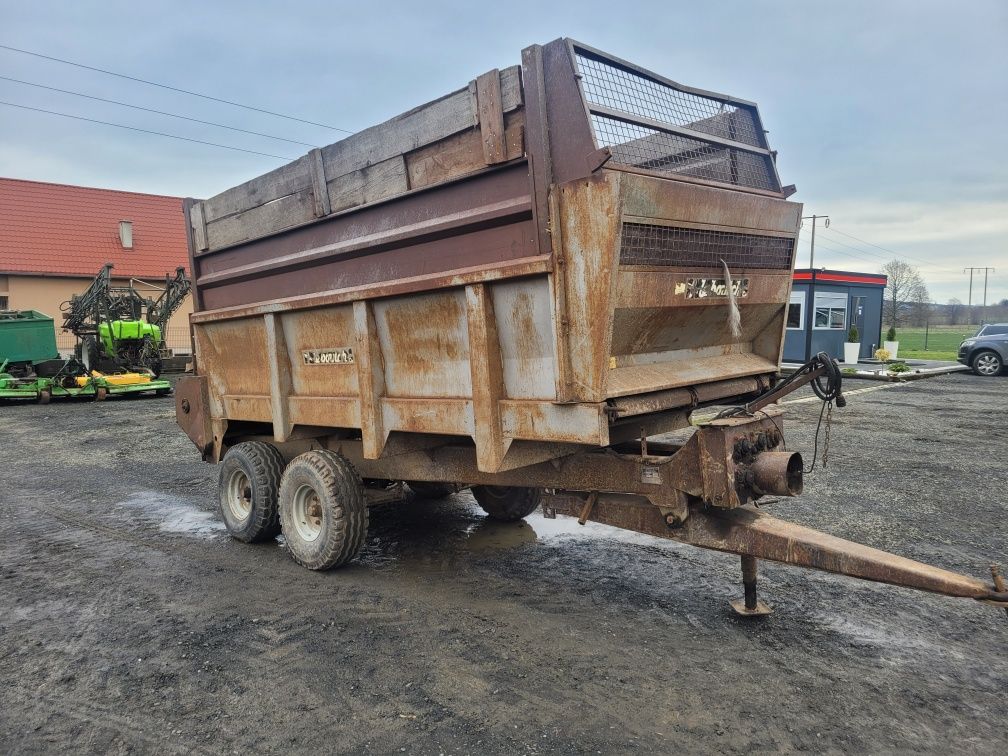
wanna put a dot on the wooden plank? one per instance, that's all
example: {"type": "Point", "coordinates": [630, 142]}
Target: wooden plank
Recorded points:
{"type": "Point", "coordinates": [320, 190]}
{"type": "Point", "coordinates": [368, 158]}
{"type": "Point", "coordinates": [487, 373]}
{"type": "Point", "coordinates": [511, 88]}
{"type": "Point", "coordinates": [280, 383]}
{"type": "Point", "coordinates": [491, 117]}
{"type": "Point", "coordinates": [199, 226]}
{"type": "Point", "coordinates": [462, 153]}
{"type": "Point", "coordinates": [403, 133]}
{"type": "Point", "coordinates": [371, 379]}
{"type": "Point", "coordinates": [286, 212]}
{"type": "Point", "coordinates": [285, 180]}
{"type": "Point", "coordinates": [375, 182]}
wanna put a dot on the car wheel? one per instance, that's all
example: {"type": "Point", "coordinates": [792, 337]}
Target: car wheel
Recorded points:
{"type": "Point", "coordinates": [987, 363]}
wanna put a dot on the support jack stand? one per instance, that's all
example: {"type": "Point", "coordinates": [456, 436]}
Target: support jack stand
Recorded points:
{"type": "Point", "coordinates": [750, 606]}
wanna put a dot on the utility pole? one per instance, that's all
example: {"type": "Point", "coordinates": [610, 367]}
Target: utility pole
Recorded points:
{"type": "Point", "coordinates": [970, 303]}
{"type": "Point", "coordinates": [810, 303]}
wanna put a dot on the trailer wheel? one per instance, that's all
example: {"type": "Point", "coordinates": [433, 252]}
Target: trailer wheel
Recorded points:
{"type": "Point", "coordinates": [505, 503]}
{"type": "Point", "coordinates": [44, 396]}
{"type": "Point", "coordinates": [427, 490]}
{"type": "Point", "coordinates": [248, 487]}
{"type": "Point", "coordinates": [323, 513]}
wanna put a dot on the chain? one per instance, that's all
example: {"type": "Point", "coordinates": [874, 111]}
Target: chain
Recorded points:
{"type": "Point", "coordinates": [829, 421]}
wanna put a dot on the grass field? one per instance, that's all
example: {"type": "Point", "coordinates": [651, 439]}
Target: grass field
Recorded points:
{"type": "Point", "coordinates": [942, 341]}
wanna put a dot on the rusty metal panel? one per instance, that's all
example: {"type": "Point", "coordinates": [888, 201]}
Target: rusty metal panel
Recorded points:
{"type": "Point", "coordinates": [452, 417]}
{"type": "Point", "coordinates": [525, 327]}
{"type": "Point", "coordinates": [233, 356]}
{"type": "Point", "coordinates": [425, 345]}
{"type": "Point", "coordinates": [325, 411]}
{"type": "Point", "coordinates": [654, 200]}
{"type": "Point", "coordinates": [590, 212]}
{"type": "Point", "coordinates": [192, 407]}
{"type": "Point", "coordinates": [320, 348]}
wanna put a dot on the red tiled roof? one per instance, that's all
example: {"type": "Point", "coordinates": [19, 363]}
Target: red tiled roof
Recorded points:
{"type": "Point", "coordinates": [56, 229]}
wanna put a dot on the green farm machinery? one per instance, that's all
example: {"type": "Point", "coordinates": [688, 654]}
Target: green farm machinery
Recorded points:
{"type": "Point", "coordinates": [118, 328]}
{"type": "Point", "coordinates": [28, 343]}
{"type": "Point", "coordinates": [31, 367]}
{"type": "Point", "coordinates": [72, 381]}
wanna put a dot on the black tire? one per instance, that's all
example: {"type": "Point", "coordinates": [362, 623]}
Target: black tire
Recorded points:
{"type": "Point", "coordinates": [323, 513]}
{"type": "Point", "coordinates": [987, 363]}
{"type": "Point", "coordinates": [428, 490]}
{"type": "Point", "coordinates": [44, 396]}
{"type": "Point", "coordinates": [248, 488]}
{"type": "Point", "coordinates": [88, 354]}
{"type": "Point", "coordinates": [507, 504]}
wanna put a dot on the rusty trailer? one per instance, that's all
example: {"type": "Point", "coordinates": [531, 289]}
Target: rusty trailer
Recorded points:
{"type": "Point", "coordinates": [515, 288]}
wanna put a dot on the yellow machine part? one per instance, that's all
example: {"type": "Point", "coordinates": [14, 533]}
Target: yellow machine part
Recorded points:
{"type": "Point", "coordinates": [120, 379]}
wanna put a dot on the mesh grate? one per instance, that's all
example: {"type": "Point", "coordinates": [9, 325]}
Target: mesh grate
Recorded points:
{"type": "Point", "coordinates": [645, 244]}
{"type": "Point", "coordinates": [643, 147]}
{"type": "Point", "coordinates": [608, 85]}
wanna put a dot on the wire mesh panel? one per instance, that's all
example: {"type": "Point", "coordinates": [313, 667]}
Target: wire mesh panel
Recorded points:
{"type": "Point", "coordinates": [643, 147]}
{"type": "Point", "coordinates": [615, 87]}
{"type": "Point", "coordinates": [672, 246]}
{"type": "Point", "coordinates": [651, 123]}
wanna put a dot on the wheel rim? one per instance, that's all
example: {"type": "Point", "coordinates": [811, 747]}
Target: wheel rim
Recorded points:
{"type": "Point", "coordinates": [987, 364]}
{"type": "Point", "coordinates": [239, 495]}
{"type": "Point", "coordinates": [306, 512]}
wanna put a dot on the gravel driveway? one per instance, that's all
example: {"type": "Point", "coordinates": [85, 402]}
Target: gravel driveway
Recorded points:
{"type": "Point", "coordinates": [129, 621]}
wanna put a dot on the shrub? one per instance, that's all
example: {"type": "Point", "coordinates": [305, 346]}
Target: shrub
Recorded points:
{"type": "Point", "coordinates": [891, 334]}
{"type": "Point", "coordinates": [882, 355]}
{"type": "Point", "coordinates": [898, 367]}
{"type": "Point", "coordinates": [853, 336]}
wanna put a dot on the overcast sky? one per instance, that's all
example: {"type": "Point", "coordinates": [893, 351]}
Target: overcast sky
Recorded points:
{"type": "Point", "coordinates": [890, 117]}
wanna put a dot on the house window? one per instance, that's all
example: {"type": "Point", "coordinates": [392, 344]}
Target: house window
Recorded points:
{"type": "Point", "coordinates": [796, 310]}
{"type": "Point", "coordinates": [830, 311]}
{"type": "Point", "coordinates": [3, 301]}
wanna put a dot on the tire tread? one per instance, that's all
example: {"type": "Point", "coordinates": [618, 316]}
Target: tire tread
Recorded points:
{"type": "Point", "coordinates": [266, 465]}
{"type": "Point", "coordinates": [343, 496]}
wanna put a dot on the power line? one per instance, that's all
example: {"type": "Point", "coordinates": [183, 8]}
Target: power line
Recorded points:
{"type": "Point", "coordinates": [834, 250]}
{"type": "Point", "coordinates": [145, 131]}
{"type": "Point", "coordinates": [152, 110]}
{"type": "Point", "coordinates": [884, 249]}
{"type": "Point", "coordinates": [173, 89]}
{"type": "Point", "coordinates": [855, 238]}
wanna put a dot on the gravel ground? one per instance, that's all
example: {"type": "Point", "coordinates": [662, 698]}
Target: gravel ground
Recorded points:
{"type": "Point", "coordinates": [129, 621]}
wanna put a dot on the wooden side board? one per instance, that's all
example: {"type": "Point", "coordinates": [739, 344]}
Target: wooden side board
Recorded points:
{"type": "Point", "coordinates": [465, 131]}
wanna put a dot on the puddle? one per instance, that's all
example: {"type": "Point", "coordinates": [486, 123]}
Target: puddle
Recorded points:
{"type": "Point", "coordinates": [567, 527]}
{"type": "Point", "coordinates": [489, 535]}
{"type": "Point", "coordinates": [173, 514]}
{"type": "Point", "coordinates": [440, 531]}
{"type": "Point", "coordinates": [455, 525]}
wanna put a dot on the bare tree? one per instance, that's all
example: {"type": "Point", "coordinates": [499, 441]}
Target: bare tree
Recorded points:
{"type": "Point", "coordinates": [905, 292]}
{"type": "Point", "coordinates": [954, 310]}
